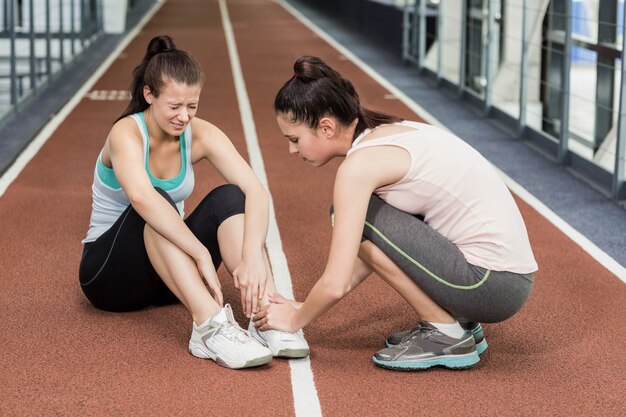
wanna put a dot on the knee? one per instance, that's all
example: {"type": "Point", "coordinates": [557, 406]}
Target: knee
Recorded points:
{"type": "Point", "coordinates": [225, 201]}
{"type": "Point", "coordinates": [372, 255]}
{"type": "Point", "coordinates": [229, 195]}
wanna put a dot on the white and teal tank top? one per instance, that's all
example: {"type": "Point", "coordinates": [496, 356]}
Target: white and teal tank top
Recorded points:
{"type": "Point", "coordinates": [109, 199]}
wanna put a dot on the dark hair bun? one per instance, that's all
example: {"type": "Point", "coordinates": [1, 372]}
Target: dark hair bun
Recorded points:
{"type": "Point", "coordinates": [309, 68]}
{"type": "Point", "coordinates": [158, 44]}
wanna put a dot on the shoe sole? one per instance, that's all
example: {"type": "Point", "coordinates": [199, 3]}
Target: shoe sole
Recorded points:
{"type": "Point", "coordinates": [451, 362]}
{"type": "Point", "coordinates": [204, 353]}
{"type": "Point", "coordinates": [482, 347]}
{"type": "Point", "coordinates": [292, 353]}
{"type": "Point", "coordinates": [287, 353]}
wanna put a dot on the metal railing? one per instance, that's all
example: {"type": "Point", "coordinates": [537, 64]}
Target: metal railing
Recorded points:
{"type": "Point", "coordinates": [38, 39]}
{"type": "Point", "coordinates": [553, 68]}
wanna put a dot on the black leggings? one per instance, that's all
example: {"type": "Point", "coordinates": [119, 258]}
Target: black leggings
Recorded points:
{"type": "Point", "coordinates": [115, 272]}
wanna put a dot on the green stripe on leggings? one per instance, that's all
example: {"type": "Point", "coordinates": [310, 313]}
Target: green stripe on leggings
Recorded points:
{"type": "Point", "coordinates": [423, 268]}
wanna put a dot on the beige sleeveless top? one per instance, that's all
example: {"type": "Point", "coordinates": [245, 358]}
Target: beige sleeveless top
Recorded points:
{"type": "Point", "coordinates": [460, 195]}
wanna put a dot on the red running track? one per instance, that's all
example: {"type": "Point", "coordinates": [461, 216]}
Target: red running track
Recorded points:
{"type": "Point", "coordinates": [562, 355]}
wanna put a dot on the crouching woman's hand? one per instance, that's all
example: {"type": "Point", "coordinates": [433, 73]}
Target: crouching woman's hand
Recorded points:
{"type": "Point", "coordinates": [277, 315]}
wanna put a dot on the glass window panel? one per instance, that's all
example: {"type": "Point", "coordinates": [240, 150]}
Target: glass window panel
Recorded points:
{"type": "Point", "coordinates": [506, 83]}
{"type": "Point", "coordinates": [451, 21]}
{"type": "Point", "coordinates": [582, 106]}
{"type": "Point", "coordinates": [585, 19]}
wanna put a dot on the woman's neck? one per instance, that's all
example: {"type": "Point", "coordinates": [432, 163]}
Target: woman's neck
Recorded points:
{"type": "Point", "coordinates": [346, 137]}
{"type": "Point", "coordinates": [154, 130]}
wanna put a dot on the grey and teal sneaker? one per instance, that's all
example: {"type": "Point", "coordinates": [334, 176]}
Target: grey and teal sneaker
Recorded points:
{"type": "Point", "coordinates": [425, 347]}
{"type": "Point", "coordinates": [470, 326]}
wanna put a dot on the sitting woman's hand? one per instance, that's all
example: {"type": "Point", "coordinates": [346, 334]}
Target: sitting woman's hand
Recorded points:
{"type": "Point", "coordinates": [250, 278]}
{"type": "Point", "coordinates": [207, 270]}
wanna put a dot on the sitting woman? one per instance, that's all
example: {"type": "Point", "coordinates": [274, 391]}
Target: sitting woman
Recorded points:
{"type": "Point", "coordinates": [139, 251]}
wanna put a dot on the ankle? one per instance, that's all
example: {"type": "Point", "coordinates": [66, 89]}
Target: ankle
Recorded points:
{"type": "Point", "coordinates": [200, 317]}
{"type": "Point", "coordinates": [453, 330]}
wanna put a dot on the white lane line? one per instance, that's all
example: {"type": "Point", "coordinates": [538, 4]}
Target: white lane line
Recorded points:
{"type": "Point", "coordinates": [306, 401]}
{"type": "Point", "coordinates": [588, 246]}
{"type": "Point", "coordinates": [31, 150]}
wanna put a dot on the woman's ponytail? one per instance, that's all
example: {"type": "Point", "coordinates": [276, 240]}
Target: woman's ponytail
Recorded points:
{"type": "Point", "coordinates": [369, 119]}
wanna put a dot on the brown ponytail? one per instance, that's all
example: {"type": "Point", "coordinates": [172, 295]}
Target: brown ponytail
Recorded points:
{"type": "Point", "coordinates": [162, 62]}
{"type": "Point", "coordinates": [316, 91]}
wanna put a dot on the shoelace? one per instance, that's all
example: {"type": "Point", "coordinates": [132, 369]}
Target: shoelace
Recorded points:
{"type": "Point", "coordinates": [413, 332]}
{"type": "Point", "coordinates": [425, 332]}
{"type": "Point", "coordinates": [233, 332]}
{"type": "Point", "coordinates": [418, 331]}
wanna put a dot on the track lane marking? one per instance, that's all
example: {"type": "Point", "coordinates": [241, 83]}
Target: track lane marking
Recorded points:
{"type": "Point", "coordinates": [306, 401]}
{"type": "Point", "coordinates": [578, 238]}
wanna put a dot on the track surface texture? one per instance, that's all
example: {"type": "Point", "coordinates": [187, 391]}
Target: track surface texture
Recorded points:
{"type": "Point", "coordinates": [561, 355]}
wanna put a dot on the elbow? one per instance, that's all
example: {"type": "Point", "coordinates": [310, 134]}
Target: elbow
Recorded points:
{"type": "Point", "coordinates": [260, 192]}
{"type": "Point", "coordinates": [257, 196]}
{"type": "Point", "coordinates": [336, 284]}
{"type": "Point", "coordinates": [137, 199]}
{"type": "Point", "coordinates": [336, 293]}
{"type": "Point", "coordinates": [263, 195]}
{"type": "Point", "coordinates": [335, 296]}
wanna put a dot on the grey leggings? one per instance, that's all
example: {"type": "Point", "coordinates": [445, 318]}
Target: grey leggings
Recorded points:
{"type": "Point", "coordinates": [438, 267]}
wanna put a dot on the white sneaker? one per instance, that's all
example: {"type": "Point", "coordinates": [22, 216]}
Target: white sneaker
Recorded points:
{"type": "Point", "coordinates": [220, 338]}
{"type": "Point", "coordinates": [282, 344]}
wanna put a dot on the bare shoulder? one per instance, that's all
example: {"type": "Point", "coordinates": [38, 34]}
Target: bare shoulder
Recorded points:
{"type": "Point", "coordinates": [376, 165]}
{"type": "Point", "coordinates": [203, 130]}
{"type": "Point", "coordinates": [123, 133]}
{"type": "Point", "coordinates": [206, 134]}
{"type": "Point", "coordinates": [124, 127]}
{"type": "Point", "coordinates": [208, 140]}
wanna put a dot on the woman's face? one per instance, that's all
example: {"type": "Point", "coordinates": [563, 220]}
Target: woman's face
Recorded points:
{"type": "Point", "coordinates": [174, 107]}
{"type": "Point", "coordinates": [310, 144]}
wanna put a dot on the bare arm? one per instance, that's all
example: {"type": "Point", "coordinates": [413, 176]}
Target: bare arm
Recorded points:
{"type": "Point", "coordinates": [356, 180]}
{"type": "Point", "coordinates": [350, 205]}
{"type": "Point", "coordinates": [214, 145]}
{"type": "Point", "coordinates": [361, 272]}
